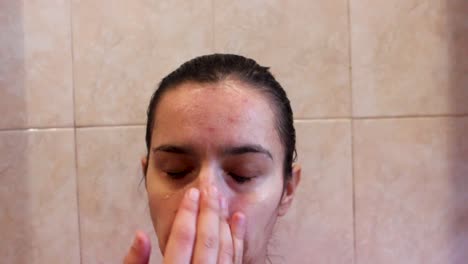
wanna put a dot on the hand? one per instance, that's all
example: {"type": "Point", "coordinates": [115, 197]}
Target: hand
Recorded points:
{"type": "Point", "coordinates": [140, 250]}
{"type": "Point", "coordinates": [200, 233]}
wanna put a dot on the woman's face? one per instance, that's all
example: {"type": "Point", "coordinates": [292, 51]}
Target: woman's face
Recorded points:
{"type": "Point", "coordinates": [222, 134]}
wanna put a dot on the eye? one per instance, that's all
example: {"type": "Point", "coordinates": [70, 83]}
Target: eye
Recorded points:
{"type": "Point", "coordinates": [240, 179]}
{"type": "Point", "coordinates": [177, 174]}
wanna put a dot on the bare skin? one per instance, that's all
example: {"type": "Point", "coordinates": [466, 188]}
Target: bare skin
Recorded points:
{"type": "Point", "coordinates": [214, 176]}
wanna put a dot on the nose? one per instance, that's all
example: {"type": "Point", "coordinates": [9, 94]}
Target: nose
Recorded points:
{"type": "Point", "coordinates": [211, 176]}
{"type": "Point", "coordinates": [208, 176]}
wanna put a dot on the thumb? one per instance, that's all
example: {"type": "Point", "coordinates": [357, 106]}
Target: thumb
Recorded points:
{"type": "Point", "coordinates": [140, 250]}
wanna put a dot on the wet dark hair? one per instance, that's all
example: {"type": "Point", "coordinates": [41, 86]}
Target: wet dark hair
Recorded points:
{"type": "Point", "coordinates": [218, 67]}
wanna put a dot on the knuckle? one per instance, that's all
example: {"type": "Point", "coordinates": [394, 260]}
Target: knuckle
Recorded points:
{"type": "Point", "coordinates": [228, 252]}
{"type": "Point", "coordinates": [210, 241]}
{"type": "Point", "coordinates": [226, 246]}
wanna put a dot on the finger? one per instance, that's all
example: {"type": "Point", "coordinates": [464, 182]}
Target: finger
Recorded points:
{"type": "Point", "coordinates": [179, 247]}
{"type": "Point", "coordinates": [140, 250]}
{"type": "Point", "coordinates": [207, 241]}
{"type": "Point", "coordinates": [226, 249]}
{"type": "Point", "coordinates": [238, 228]}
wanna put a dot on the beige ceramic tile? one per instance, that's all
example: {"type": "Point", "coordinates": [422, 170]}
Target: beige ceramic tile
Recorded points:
{"type": "Point", "coordinates": [305, 43]}
{"type": "Point", "coordinates": [411, 182]}
{"type": "Point", "coordinates": [122, 49]}
{"type": "Point", "coordinates": [38, 219]}
{"type": "Point", "coordinates": [113, 204]}
{"type": "Point", "coordinates": [35, 64]}
{"type": "Point", "coordinates": [409, 57]}
{"type": "Point", "coordinates": [319, 227]}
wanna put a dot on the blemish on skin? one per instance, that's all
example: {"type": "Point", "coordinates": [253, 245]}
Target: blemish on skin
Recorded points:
{"type": "Point", "coordinates": [167, 196]}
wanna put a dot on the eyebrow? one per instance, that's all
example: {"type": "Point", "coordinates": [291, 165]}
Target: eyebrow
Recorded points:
{"type": "Point", "coordinates": [249, 148]}
{"type": "Point", "coordinates": [173, 149]}
{"type": "Point", "coordinates": [231, 151]}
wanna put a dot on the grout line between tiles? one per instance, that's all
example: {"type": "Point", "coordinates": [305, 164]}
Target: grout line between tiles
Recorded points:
{"type": "Point", "coordinates": [300, 120]}
{"type": "Point", "coordinates": [295, 120]}
{"type": "Point", "coordinates": [213, 27]}
{"type": "Point", "coordinates": [111, 126]}
{"type": "Point", "coordinates": [353, 176]}
{"type": "Point", "coordinates": [410, 116]}
{"type": "Point", "coordinates": [77, 187]}
{"type": "Point", "coordinates": [33, 129]}
{"type": "Point", "coordinates": [383, 117]}
{"type": "Point", "coordinates": [350, 76]}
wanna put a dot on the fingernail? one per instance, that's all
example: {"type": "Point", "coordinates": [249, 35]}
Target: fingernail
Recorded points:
{"type": "Point", "coordinates": [240, 223]}
{"type": "Point", "coordinates": [194, 194]}
{"type": "Point", "coordinates": [240, 220]}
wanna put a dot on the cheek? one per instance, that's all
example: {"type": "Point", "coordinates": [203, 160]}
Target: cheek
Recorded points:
{"type": "Point", "coordinates": [260, 209]}
{"type": "Point", "coordinates": [163, 207]}
{"type": "Point", "coordinates": [261, 202]}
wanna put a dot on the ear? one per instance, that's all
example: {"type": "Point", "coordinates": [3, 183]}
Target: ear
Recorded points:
{"type": "Point", "coordinates": [144, 164]}
{"type": "Point", "coordinates": [290, 190]}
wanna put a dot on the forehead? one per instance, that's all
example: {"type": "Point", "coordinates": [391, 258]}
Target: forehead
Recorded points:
{"type": "Point", "coordinates": [228, 112]}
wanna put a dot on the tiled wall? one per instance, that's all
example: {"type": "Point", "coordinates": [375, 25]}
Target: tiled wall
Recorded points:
{"type": "Point", "coordinates": [380, 94]}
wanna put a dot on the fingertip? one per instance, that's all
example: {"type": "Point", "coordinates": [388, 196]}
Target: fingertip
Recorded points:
{"type": "Point", "coordinates": [140, 250]}
{"type": "Point", "coordinates": [142, 244]}
{"type": "Point", "coordinates": [210, 199]}
{"type": "Point", "coordinates": [139, 236]}
{"type": "Point", "coordinates": [190, 201]}
{"type": "Point", "coordinates": [239, 218]}
{"type": "Point", "coordinates": [239, 227]}
{"type": "Point", "coordinates": [193, 194]}
{"type": "Point", "coordinates": [239, 222]}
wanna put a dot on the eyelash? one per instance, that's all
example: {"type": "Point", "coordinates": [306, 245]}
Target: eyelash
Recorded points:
{"type": "Point", "coordinates": [239, 179]}
{"type": "Point", "coordinates": [177, 175]}
{"type": "Point", "coordinates": [235, 177]}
